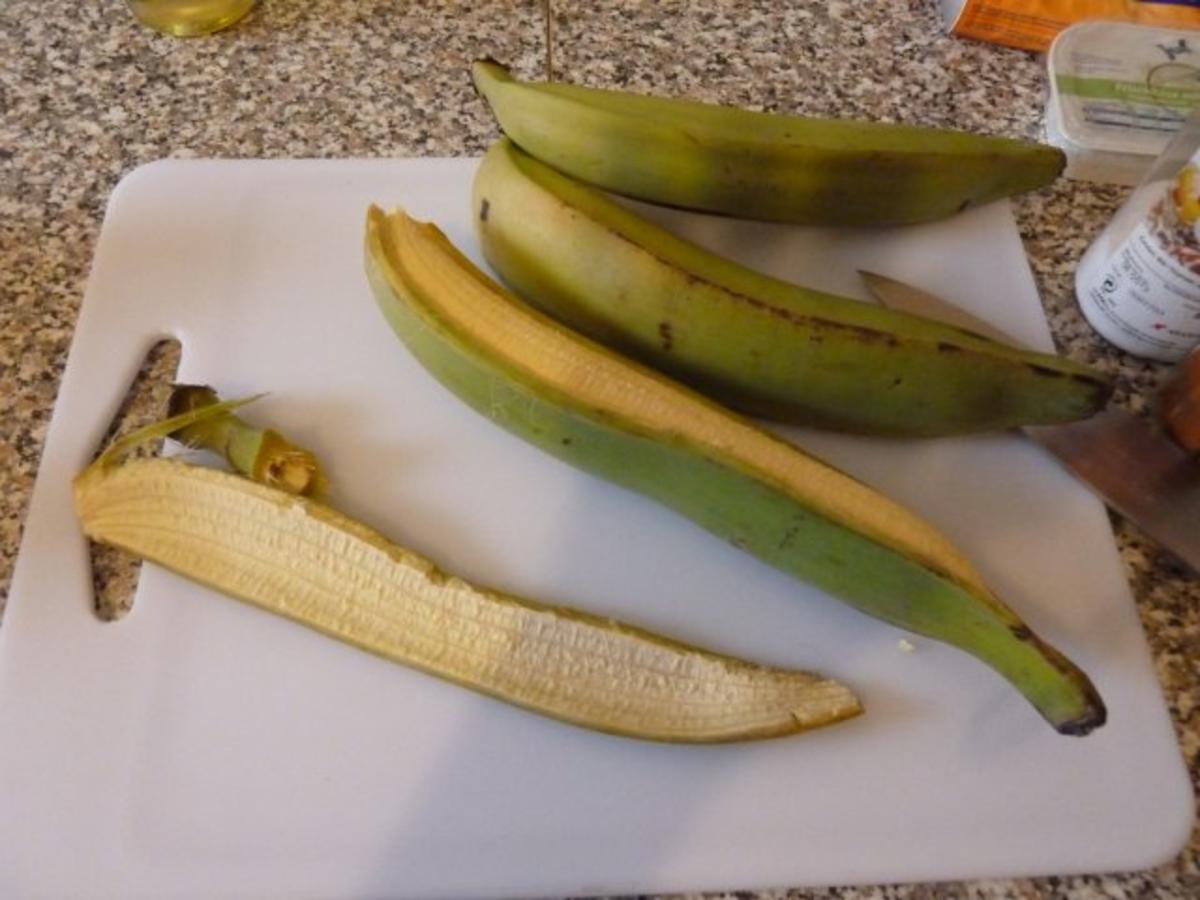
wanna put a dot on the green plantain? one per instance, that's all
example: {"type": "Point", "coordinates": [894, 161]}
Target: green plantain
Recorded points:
{"type": "Point", "coordinates": [758, 165]}
{"type": "Point", "coordinates": [596, 410]}
{"type": "Point", "coordinates": [756, 343]}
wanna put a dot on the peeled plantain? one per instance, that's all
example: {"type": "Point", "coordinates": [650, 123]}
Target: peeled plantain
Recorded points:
{"type": "Point", "coordinates": [605, 414]}
{"type": "Point", "coordinates": [758, 165]}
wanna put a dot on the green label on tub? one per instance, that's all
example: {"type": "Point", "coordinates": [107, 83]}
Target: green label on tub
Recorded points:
{"type": "Point", "coordinates": [1181, 95]}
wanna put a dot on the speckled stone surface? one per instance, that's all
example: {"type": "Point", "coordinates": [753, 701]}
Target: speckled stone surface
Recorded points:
{"type": "Point", "coordinates": [86, 95]}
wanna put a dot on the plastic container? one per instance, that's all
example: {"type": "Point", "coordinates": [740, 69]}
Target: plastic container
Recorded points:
{"type": "Point", "coordinates": [1118, 92]}
{"type": "Point", "coordinates": [1138, 284]}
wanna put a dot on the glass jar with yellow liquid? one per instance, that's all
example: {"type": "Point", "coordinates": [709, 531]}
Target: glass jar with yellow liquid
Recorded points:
{"type": "Point", "coordinates": [185, 18]}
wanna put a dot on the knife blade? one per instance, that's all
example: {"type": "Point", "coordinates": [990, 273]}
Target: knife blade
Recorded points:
{"type": "Point", "coordinates": [1129, 463]}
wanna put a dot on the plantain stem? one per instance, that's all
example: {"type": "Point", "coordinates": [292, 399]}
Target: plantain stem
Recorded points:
{"type": "Point", "coordinates": [261, 454]}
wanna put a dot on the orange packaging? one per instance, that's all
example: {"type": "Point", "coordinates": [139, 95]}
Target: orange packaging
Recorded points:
{"type": "Point", "coordinates": [1181, 403]}
{"type": "Point", "coordinates": [1033, 24]}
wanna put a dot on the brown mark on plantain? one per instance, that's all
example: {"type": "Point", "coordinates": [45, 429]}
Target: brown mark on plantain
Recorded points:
{"type": "Point", "coordinates": [666, 335]}
{"type": "Point", "coordinates": [483, 210]}
{"type": "Point", "coordinates": [1096, 712]}
{"type": "Point", "coordinates": [1104, 389]}
{"type": "Point", "coordinates": [788, 537]}
{"type": "Point", "coordinates": [1049, 373]}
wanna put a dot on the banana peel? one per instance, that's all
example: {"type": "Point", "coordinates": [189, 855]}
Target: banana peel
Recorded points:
{"type": "Point", "coordinates": [301, 559]}
{"type": "Point", "coordinates": [605, 414]}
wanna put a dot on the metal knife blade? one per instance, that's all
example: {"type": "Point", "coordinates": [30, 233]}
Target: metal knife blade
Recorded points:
{"type": "Point", "coordinates": [1134, 467]}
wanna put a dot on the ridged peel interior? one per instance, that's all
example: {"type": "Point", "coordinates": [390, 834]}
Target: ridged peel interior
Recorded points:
{"type": "Point", "coordinates": [303, 560]}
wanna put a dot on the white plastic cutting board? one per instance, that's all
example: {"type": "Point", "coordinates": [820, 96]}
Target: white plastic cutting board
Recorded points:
{"type": "Point", "coordinates": [201, 748]}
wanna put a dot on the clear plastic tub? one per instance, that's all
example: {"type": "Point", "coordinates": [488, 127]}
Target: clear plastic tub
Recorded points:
{"type": "Point", "coordinates": [1118, 92]}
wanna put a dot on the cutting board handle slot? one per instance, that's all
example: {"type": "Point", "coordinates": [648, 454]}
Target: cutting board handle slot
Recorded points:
{"type": "Point", "coordinates": [115, 574]}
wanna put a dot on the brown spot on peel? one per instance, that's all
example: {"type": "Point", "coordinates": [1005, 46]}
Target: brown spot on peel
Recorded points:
{"type": "Point", "coordinates": [665, 335]}
{"type": "Point", "coordinates": [1094, 713]}
{"type": "Point", "coordinates": [1044, 370]}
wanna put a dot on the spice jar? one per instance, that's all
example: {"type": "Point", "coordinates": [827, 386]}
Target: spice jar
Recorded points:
{"type": "Point", "coordinates": [1138, 284]}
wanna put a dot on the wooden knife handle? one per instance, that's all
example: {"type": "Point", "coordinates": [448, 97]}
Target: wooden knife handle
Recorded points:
{"type": "Point", "coordinates": [1181, 402]}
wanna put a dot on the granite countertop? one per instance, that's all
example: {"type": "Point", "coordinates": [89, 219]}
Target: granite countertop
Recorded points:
{"type": "Point", "coordinates": [86, 95]}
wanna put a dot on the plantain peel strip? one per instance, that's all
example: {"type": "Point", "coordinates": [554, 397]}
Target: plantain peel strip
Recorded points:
{"type": "Point", "coordinates": [603, 413]}
{"type": "Point", "coordinates": [303, 560]}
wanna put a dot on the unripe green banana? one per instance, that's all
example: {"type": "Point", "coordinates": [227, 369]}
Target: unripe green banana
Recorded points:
{"type": "Point", "coordinates": [756, 343]}
{"type": "Point", "coordinates": [758, 165]}
{"type": "Point", "coordinates": [607, 415]}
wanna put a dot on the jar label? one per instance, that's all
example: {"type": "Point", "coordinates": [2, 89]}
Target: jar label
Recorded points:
{"type": "Point", "coordinates": [1146, 296]}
